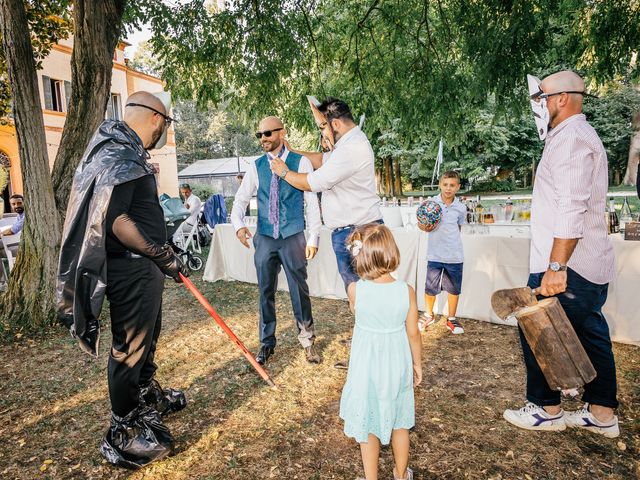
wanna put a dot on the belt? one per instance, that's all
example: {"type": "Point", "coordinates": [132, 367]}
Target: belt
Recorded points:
{"type": "Point", "coordinates": [339, 229]}
{"type": "Point", "coordinates": [125, 254]}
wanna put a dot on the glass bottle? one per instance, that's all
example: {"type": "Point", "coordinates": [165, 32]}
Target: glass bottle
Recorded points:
{"type": "Point", "coordinates": [625, 215]}
{"type": "Point", "coordinates": [508, 210]}
{"type": "Point", "coordinates": [478, 210]}
{"type": "Point", "coordinates": [614, 224]}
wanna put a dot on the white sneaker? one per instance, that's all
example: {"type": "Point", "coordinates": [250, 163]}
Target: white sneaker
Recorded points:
{"type": "Point", "coordinates": [533, 417]}
{"type": "Point", "coordinates": [408, 477]}
{"type": "Point", "coordinates": [583, 418]}
{"type": "Point", "coordinates": [425, 320]}
{"type": "Point", "coordinates": [454, 326]}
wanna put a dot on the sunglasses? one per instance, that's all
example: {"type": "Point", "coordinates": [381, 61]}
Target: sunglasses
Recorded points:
{"type": "Point", "coordinates": [267, 133]}
{"type": "Point", "coordinates": [539, 95]}
{"type": "Point", "coordinates": [167, 119]}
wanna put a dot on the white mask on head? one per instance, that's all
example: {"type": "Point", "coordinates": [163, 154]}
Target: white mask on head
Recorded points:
{"type": "Point", "coordinates": [539, 106]}
{"type": "Point", "coordinates": [165, 98]}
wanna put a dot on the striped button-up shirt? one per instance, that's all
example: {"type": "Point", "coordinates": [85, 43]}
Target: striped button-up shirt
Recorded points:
{"type": "Point", "coordinates": [569, 200]}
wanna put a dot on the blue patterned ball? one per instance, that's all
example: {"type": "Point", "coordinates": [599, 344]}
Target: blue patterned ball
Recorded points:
{"type": "Point", "coordinates": [429, 213]}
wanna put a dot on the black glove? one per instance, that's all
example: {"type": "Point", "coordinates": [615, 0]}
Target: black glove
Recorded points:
{"type": "Point", "coordinates": [170, 263]}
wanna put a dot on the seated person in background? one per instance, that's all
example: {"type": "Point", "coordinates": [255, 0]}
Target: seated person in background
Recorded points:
{"type": "Point", "coordinates": [193, 204]}
{"type": "Point", "coordinates": [17, 206]}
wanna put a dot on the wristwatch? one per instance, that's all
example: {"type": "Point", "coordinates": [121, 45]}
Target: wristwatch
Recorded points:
{"type": "Point", "coordinates": [284, 172]}
{"type": "Point", "coordinates": [556, 267]}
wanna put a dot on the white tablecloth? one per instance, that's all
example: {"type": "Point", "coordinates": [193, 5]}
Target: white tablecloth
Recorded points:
{"type": "Point", "coordinates": [491, 263]}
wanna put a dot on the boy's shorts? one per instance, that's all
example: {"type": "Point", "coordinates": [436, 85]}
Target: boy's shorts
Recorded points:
{"type": "Point", "coordinates": [443, 276]}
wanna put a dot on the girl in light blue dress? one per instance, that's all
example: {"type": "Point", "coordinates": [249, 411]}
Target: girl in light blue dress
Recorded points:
{"type": "Point", "coordinates": [377, 403]}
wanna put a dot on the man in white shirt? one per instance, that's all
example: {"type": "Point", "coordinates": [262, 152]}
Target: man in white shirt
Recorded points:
{"type": "Point", "coordinates": [279, 240]}
{"type": "Point", "coordinates": [571, 256]}
{"type": "Point", "coordinates": [192, 203]}
{"type": "Point", "coordinates": [346, 178]}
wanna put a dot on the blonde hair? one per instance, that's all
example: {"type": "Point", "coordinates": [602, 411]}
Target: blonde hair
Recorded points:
{"type": "Point", "coordinates": [374, 251]}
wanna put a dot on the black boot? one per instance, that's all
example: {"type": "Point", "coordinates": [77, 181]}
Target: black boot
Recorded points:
{"type": "Point", "coordinates": [137, 439]}
{"type": "Point", "coordinates": [164, 401]}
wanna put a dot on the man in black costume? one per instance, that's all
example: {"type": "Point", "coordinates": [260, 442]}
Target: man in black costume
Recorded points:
{"type": "Point", "coordinates": [114, 244]}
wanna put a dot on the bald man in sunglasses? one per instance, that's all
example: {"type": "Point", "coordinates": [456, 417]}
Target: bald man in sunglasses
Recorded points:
{"type": "Point", "coordinates": [114, 244]}
{"type": "Point", "coordinates": [279, 240]}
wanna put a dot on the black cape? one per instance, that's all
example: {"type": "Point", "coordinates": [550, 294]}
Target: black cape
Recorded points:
{"type": "Point", "coordinates": [115, 155]}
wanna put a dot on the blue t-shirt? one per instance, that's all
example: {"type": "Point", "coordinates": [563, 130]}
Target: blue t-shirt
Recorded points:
{"type": "Point", "coordinates": [445, 242]}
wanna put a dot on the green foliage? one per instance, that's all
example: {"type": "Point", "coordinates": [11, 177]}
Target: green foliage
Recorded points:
{"type": "Point", "coordinates": [202, 191]}
{"type": "Point", "coordinates": [49, 21]}
{"type": "Point", "coordinates": [420, 71]}
{"type": "Point", "coordinates": [215, 133]}
{"type": "Point", "coordinates": [495, 185]}
{"type": "Point", "coordinates": [611, 115]}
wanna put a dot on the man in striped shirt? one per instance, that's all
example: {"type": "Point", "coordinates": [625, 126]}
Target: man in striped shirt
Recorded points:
{"type": "Point", "coordinates": [571, 257]}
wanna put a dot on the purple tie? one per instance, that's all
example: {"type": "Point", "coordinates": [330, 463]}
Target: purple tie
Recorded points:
{"type": "Point", "coordinates": [274, 197]}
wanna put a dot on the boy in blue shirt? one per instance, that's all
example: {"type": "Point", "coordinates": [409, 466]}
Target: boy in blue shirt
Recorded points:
{"type": "Point", "coordinates": [444, 253]}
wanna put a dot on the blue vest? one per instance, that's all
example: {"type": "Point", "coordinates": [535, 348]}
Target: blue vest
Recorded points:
{"type": "Point", "coordinates": [291, 199]}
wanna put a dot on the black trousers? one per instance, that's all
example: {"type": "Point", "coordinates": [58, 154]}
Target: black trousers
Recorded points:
{"type": "Point", "coordinates": [134, 290]}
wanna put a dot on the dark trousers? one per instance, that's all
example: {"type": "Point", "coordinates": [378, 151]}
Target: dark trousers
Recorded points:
{"type": "Point", "coordinates": [582, 302]}
{"type": "Point", "coordinates": [288, 253]}
{"type": "Point", "coordinates": [134, 290]}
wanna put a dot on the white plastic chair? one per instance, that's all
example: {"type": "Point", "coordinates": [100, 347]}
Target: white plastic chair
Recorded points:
{"type": "Point", "coordinates": [10, 243]}
{"type": "Point", "coordinates": [191, 239]}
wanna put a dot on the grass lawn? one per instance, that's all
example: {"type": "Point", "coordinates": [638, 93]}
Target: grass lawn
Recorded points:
{"type": "Point", "coordinates": [54, 404]}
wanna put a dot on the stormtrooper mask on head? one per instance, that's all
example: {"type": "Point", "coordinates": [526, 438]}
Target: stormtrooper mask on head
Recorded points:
{"type": "Point", "coordinates": [165, 98]}
{"type": "Point", "coordinates": [539, 106]}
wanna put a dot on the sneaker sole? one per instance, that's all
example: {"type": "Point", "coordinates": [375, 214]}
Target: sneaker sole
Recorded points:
{"type": "Point", "coordinates": [553, 427]}
{"type": "Point", "coordinates": [606, 433]}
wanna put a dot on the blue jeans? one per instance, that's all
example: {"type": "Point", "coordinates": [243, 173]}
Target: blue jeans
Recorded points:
{"type": "Point", "coordinates": [343, 256]}
{"type": "Point", "coordinates": [582, 302]}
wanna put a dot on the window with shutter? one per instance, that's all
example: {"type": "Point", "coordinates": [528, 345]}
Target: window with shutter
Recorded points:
{"type": "Point", "coordinates": [46, 85]}
{"type": "Point", "coordinates": [67, 94]}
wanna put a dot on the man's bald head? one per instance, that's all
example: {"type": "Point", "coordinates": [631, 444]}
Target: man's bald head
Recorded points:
{"type": "Point", "coordinates": [144, 119]}
{"type": "Point", "coordinates": [270, 123]}
{"type": "Point", "coordinates": [144, 98]}
{"type": "Point", "coordinates": [562, 105]}
{"type": "Point", "coordinates": [275, 128]}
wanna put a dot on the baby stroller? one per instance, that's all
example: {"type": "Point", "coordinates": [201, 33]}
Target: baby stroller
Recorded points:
{"type": "Point", "coordinates": [174, 216]}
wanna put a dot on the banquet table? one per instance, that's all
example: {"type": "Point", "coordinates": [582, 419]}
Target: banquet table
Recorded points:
{"type": "Point", "coordinates": [492, 262]}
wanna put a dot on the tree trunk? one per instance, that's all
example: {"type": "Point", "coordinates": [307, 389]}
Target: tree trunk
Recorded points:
{"type": "Point", "coordinates": [97, 29]}
{"type": "Point", "coordinates": [379, 180]}
{"type": "Point", "coordinates": [397, 178]}
{"type": "Point", "coordinates": [634, 153]}
{"type": "Point", "coordinates": [29, 301]}
{"type": "Point", "coordinates": [533, 172]}
{"type": "Point", "coordinates": [388, 177]}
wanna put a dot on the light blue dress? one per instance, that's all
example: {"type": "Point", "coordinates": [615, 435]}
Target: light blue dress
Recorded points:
{"type": "Point", "coordinates": [378, 395]}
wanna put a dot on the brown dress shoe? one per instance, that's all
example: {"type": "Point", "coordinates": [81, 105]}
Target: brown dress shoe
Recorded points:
{"type": "Point", "coordinates": [312, 354]}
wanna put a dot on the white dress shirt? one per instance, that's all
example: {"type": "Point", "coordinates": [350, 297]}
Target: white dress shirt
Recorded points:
{"type": "Point", "coordinates": [348, 183]}
{"type": "Point", "coordinates": [569, 200]}
{"type": "Point", "coordinates": [249, 188]}
{"type": "Point", "coordinates": [195, 204]}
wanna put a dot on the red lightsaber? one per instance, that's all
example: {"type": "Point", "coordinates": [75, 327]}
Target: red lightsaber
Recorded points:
{"type": "Point", "coordinates": [196, 293]}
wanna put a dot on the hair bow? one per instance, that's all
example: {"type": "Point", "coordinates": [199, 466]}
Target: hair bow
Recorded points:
{"type": "Point", "coordinates": [355, 247]}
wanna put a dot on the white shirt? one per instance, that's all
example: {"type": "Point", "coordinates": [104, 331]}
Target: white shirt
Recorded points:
{"type": "Point", "coordinates": [569, 200]}
{"type": "Point", "coordinates": [195, 204]}
{"type": "Point", "coordinates": [445, 242]}
{"type": "Point", "coordinates": [348, 183]}
{"type": "Point", "coordinates": [249, 188]}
